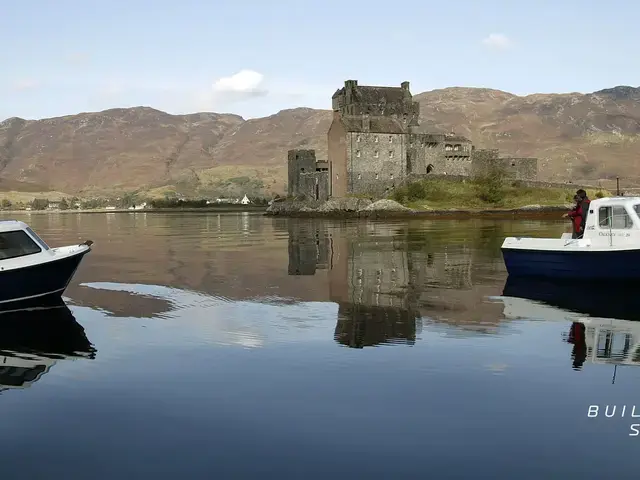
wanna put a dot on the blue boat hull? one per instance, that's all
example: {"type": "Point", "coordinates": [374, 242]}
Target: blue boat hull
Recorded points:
{"type": "Point", "coordinates": [617, 265]}
{"type": "Point", "coordinates": [37, 285]}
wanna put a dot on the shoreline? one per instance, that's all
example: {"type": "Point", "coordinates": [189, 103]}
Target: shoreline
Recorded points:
{"type": "Point", "coordinates": [452, 213]}
{"type": "Point", "coordinates": [146, 210]}
{"type": "Point", "coordinates": [521, 212]}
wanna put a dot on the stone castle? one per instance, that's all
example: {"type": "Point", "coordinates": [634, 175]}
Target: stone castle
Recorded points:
{"type": "Point", "coordinates": [375, 141]}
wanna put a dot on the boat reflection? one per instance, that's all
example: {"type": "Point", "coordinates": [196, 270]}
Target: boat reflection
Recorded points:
{"type": "Point", "coordinates": [605, 318]}
{"type": "Point", "coordinates": [607, 300]}
{"type": "Point", "coordinates": [31, 341]}
{"type": "Point", "coordinates": [604, 341]}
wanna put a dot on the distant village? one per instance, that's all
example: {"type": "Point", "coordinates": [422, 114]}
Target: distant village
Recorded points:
{"type": "Point", "coordinates": [125, 203]}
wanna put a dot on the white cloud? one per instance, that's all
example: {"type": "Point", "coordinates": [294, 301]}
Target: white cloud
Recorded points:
{"type": "Point", "coordinates": [225, 91]}
{"type": "Point", "coordinates": [497, 41]}
{"type": "Point", "coordinates": [245, 81]}
{"type": "Point", "coordinates": [25, 84]}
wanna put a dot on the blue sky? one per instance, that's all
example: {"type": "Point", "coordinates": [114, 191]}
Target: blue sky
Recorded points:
{"type": "Point", "coordinates": [67, 56]}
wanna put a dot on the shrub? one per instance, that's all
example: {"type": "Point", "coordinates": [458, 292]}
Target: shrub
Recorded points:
{"type": "Point", "coordinates": [399, 195]}
{"type": "Point", "coordinates": [490, 183]}
{"type": "Point", "coordinates": [599, 194]}
{"type": "Point", "coordinates": [416, 191]}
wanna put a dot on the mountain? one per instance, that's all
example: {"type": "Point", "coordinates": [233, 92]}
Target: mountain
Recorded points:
{"type": "Point", "coordinates": [575, 135]}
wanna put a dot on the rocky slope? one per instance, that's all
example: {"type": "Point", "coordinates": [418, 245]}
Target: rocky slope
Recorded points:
{"type": "Point", "coordinates": [582, 136]}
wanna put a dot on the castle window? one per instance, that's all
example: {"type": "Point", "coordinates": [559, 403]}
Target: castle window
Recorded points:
{"type": "Point", "coordinates": [358, 138]}
{"type": "Point", "coordinates": [390, 153]}
{"type": "Point", "coordinates": [390, 138]}
{"type": "Point", "coordinates": [391, 176]}
{"type": "Point", "coordinates": [359, 176]}
{"type": "Point", "coordinates": [376, 154]}
{"type": "Point", "coordinates": [375, 139]}
{"type": "Point", "coordinates": [376, 176]}
{"type": "Point", "coordinates": [302, 169]}
{"type": "Point", "coordinates": [358, 153]}
{"type": "Point", "coordinates": [513, 164]}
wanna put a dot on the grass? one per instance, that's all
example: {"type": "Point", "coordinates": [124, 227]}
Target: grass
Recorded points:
{"type": "Point", "coordinates": [438, 193]}
{"type": "Point", "coordinates": [26, 197]}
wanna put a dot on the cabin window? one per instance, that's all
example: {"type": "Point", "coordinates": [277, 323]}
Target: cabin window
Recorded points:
{"type": "Point", "coordinates": [17, 244]}
{"type": "Point", "coordinates": [37, 239]}
{"type": "Point", "coordinates": [615, 218]}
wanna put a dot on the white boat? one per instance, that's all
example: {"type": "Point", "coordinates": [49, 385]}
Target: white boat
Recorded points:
{"type": "Point", "coordinates": [609, 249]}
{"type": "Point", "coordinates": [31, 271]}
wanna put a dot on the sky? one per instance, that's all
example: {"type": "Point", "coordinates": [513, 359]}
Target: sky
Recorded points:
{"type": "Point", "coordinates": [255, 58]}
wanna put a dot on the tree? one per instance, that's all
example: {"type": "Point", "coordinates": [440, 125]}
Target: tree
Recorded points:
{"type": "Point", "coordinates": [6, 203]}
{"type": "Point", "coordinates": [63, 205]}
{"type": "Point", "coordinates": [39, 203]}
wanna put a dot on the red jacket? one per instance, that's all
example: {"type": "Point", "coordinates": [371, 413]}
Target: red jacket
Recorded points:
{"type": "Point", "coordinates": [576, 217]}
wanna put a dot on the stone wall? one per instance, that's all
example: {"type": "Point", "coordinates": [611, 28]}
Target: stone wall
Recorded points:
{"type": "Point", "coordinates": [457, 165]}
{"type": "Point", "coordinates": [376, 162]}
{"type": "Point", "coordinates": [438, 153]}
{"type": "Point", "coordinates": [521, 168]}
{"type": "Point", "coordinates": [482, 159]}
{"type": "Point", "coordinates": [525, 169]}
{"type": "Point", "coordinates": [337, 152]}
{"type": "Point", "coordinates": [299, 161]}
{"type": "Point", "coordinates": [314, 186]}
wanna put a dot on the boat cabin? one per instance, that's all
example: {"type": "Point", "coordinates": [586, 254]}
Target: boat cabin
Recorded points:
{"type": "Point", "coordinates": [613, 220]}
{"type": "Point", "coordinates": [17, 240]}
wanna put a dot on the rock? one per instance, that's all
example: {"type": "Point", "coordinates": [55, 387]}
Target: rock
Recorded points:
{"type": "Point", "coordinates": [347, 204]}
{"type": "Point", "coordinates": [531, 207]}
{"type": "Point", "coordinates": [291, 206]}
{"type": "Point", "coordinates": [386, 205]}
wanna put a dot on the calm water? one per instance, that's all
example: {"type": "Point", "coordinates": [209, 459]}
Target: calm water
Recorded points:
{"type": "Point", "coordinates": [239, 346]}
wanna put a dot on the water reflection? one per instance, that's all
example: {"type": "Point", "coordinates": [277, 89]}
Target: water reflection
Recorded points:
{"type": "Point", "coordinates": [609, 300]}
{"type": "Point", "coordinates": [604, 326]}
{"type": "Point", "coordinates": [361, 326]}
{"type": "Point", "coordinates": [31, 341]}
{"type": "Point", "coordinates": [388, 277]}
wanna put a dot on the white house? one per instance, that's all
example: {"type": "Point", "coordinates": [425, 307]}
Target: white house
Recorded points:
{"type": "Point", "coordinates": [245, 200]}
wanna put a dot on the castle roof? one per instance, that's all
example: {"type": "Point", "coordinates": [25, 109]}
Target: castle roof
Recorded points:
{"type": "Point", "coordinates": [377, 124]}
{"type": "Point", "coordinates": [374, 95]}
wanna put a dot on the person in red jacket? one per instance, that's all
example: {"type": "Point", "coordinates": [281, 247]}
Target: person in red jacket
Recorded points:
{"type": "Point", "coordinates": [576, 217]}
{"type": "Point", "coordinates": [585, 206]}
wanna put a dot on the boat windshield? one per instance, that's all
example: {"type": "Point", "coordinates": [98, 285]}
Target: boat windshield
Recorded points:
{"type": "Point", "coordinates": [17, 244]}
{"type": "Point", "coordinates": [38, 240]}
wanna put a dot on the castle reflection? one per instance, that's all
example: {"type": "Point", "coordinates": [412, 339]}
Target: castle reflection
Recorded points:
{"type": "Point", "coordinates": [386, 278]}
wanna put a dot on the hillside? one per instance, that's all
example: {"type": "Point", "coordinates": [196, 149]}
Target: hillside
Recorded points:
{"type": "Point", "coordinates": [580, 136]}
